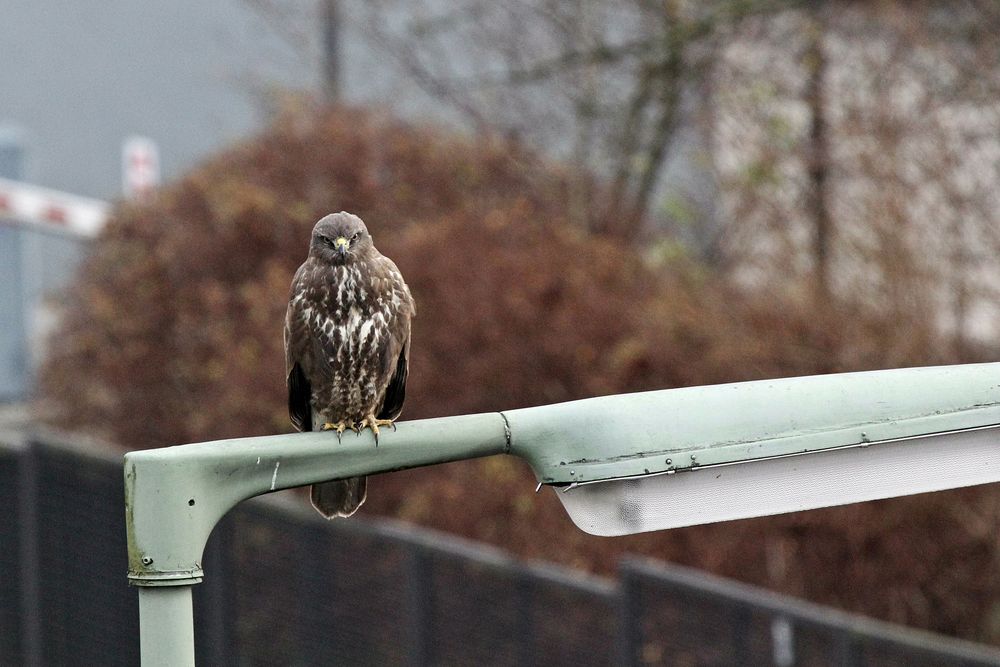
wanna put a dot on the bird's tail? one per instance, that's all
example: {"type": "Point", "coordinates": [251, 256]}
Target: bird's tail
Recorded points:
{"type": "Point", "coordinates": [342, 497]}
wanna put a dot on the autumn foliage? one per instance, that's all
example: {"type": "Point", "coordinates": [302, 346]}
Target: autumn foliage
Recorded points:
{"type": "Point", "coordinates": [173, 334]}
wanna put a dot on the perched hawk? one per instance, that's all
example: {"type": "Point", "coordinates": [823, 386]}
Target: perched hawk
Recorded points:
{"type": "Point", "coordinates": [347, 344]}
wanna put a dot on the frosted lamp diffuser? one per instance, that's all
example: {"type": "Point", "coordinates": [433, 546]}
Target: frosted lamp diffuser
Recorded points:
{"type": "Point", "coordinates": [787, 484]}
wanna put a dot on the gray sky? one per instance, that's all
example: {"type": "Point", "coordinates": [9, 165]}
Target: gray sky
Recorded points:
{"type": "Point", "coordinates": [80, 75]}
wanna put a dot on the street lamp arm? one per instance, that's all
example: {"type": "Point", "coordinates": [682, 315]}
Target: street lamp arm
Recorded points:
{"type": "Point", "coordinates": [174, 496]}
{"type": "Point", "coordinates": [677, 430]}
{"type": "Point", "coordinates": [749, 448]}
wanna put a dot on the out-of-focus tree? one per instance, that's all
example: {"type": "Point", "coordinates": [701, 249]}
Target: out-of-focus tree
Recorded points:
{"type": "Point", "coordinates": [606, 84]}
{"type": "Point", "coordinates": [853, 141]}
{"type": "Point", "coordinates": [176, 315]}
{"type": "Point", "coordinates": [853, 145]}
{"type": "Point", "coordinates": [858, 152]}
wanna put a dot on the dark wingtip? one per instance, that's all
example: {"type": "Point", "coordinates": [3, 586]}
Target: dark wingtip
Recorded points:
{"type": "Point", "coordinates": [299, 395]}
{"type": "Point", "coordinates": [395, 393]}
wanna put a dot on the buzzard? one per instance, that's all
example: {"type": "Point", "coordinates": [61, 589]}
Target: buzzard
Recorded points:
{"type": "Point", "coordinates": [347, 344]}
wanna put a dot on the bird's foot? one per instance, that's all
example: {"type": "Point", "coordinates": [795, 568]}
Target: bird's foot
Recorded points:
{"type": "Point", "coordinates": [373, 423]}
{"type": "Point", "coordinates": [339, 427]}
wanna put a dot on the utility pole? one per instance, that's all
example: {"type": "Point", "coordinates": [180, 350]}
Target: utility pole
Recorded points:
{"type": "Point", "coordinates": [819, 163]}
{"type": "Point", "coordinates": [330, 22]}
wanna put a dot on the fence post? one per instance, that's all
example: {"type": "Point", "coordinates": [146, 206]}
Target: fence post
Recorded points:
{"type": "Point", "coordinates": [27, 510]}
{"type": "Point", "coordinates": [848, 653]}
{"type": "Point", "coordinates": [420, 606]}
{"type": "Point", "coordinates": [629, 617]}
{"type": "Point", "coordinates": [525, 619]}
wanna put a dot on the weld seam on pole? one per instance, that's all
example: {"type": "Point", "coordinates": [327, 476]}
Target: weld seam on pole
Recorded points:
{"type": "Point", "coordinates": [506, 433]}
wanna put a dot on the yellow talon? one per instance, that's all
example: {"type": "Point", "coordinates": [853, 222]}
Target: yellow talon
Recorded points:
{"type": "Point", "coordinates": [339, 427]}
{"type": "Point", "coordinates": [373, 423]}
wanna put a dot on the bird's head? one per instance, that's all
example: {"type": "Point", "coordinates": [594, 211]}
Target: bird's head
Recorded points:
{"type": "Point", "coordinates": [340, 238]}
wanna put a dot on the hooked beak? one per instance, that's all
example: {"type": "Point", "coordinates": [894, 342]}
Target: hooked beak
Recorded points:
{"type": "Point", "coordinates": [341, 244]}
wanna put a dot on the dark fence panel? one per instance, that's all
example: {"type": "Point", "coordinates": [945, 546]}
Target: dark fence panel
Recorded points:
{"type": "Point", "coordinates": [11, 590]}
{"type": "Point", "coordinates": [363, 594]}
{"type": "Point", "coordinates": [476, 612]}
{"type": "Point", "coordinates": [685, 617]}
{"type": "Point", "coordinates": [309, 595]}
{"type": "Point", "coordinates": [88, 615]}
{"type": "Point", "coordinates": [574, 623]}
{"type": "Point", "coordinates": [284, 587]}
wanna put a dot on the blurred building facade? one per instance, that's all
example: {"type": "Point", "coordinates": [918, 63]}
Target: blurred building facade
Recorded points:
{"type": "Point", "coordinates": [858, 147]}
{"type": "Point", "coordinates": [43, 237]}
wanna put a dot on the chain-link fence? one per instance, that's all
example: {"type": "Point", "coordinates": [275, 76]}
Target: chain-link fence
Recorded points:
{"type": "Point", "coordinates": [286, 588]}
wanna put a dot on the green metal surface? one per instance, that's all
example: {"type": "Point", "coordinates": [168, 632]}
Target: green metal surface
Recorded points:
{"type": "Point", "coordinates": [166, 631]}
{"type": "Point", "coordinates": [174, 496]}
{"type": "Point", "coordinates": [676, 429]}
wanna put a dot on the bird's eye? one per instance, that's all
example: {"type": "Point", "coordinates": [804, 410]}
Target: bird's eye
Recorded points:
{"type": "Point", "coordinates": [356, 235]}
{"type": "Point", "coordinates": [328, 241]}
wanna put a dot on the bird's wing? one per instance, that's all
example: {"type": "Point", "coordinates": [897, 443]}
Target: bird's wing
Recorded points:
{"type": "Point", "coordinates": [297, 346]}
{"type": "Point", "coordinates": [299, 394]}
{"type": "Point", "coordinates": [395, 392]}
{"type": "Point", "coordinates": [395, 362]}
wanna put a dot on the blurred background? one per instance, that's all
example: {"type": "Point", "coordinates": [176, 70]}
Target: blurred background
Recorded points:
{"type": "Point", "coordinates": [585, 197]}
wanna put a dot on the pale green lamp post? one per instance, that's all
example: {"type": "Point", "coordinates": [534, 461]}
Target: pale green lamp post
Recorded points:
{"type": "Point", "coordinates": [622, 464]}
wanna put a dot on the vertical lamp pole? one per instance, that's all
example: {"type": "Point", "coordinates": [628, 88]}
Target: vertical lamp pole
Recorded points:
{"type": "Point", "coordinates": [166, 626]}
